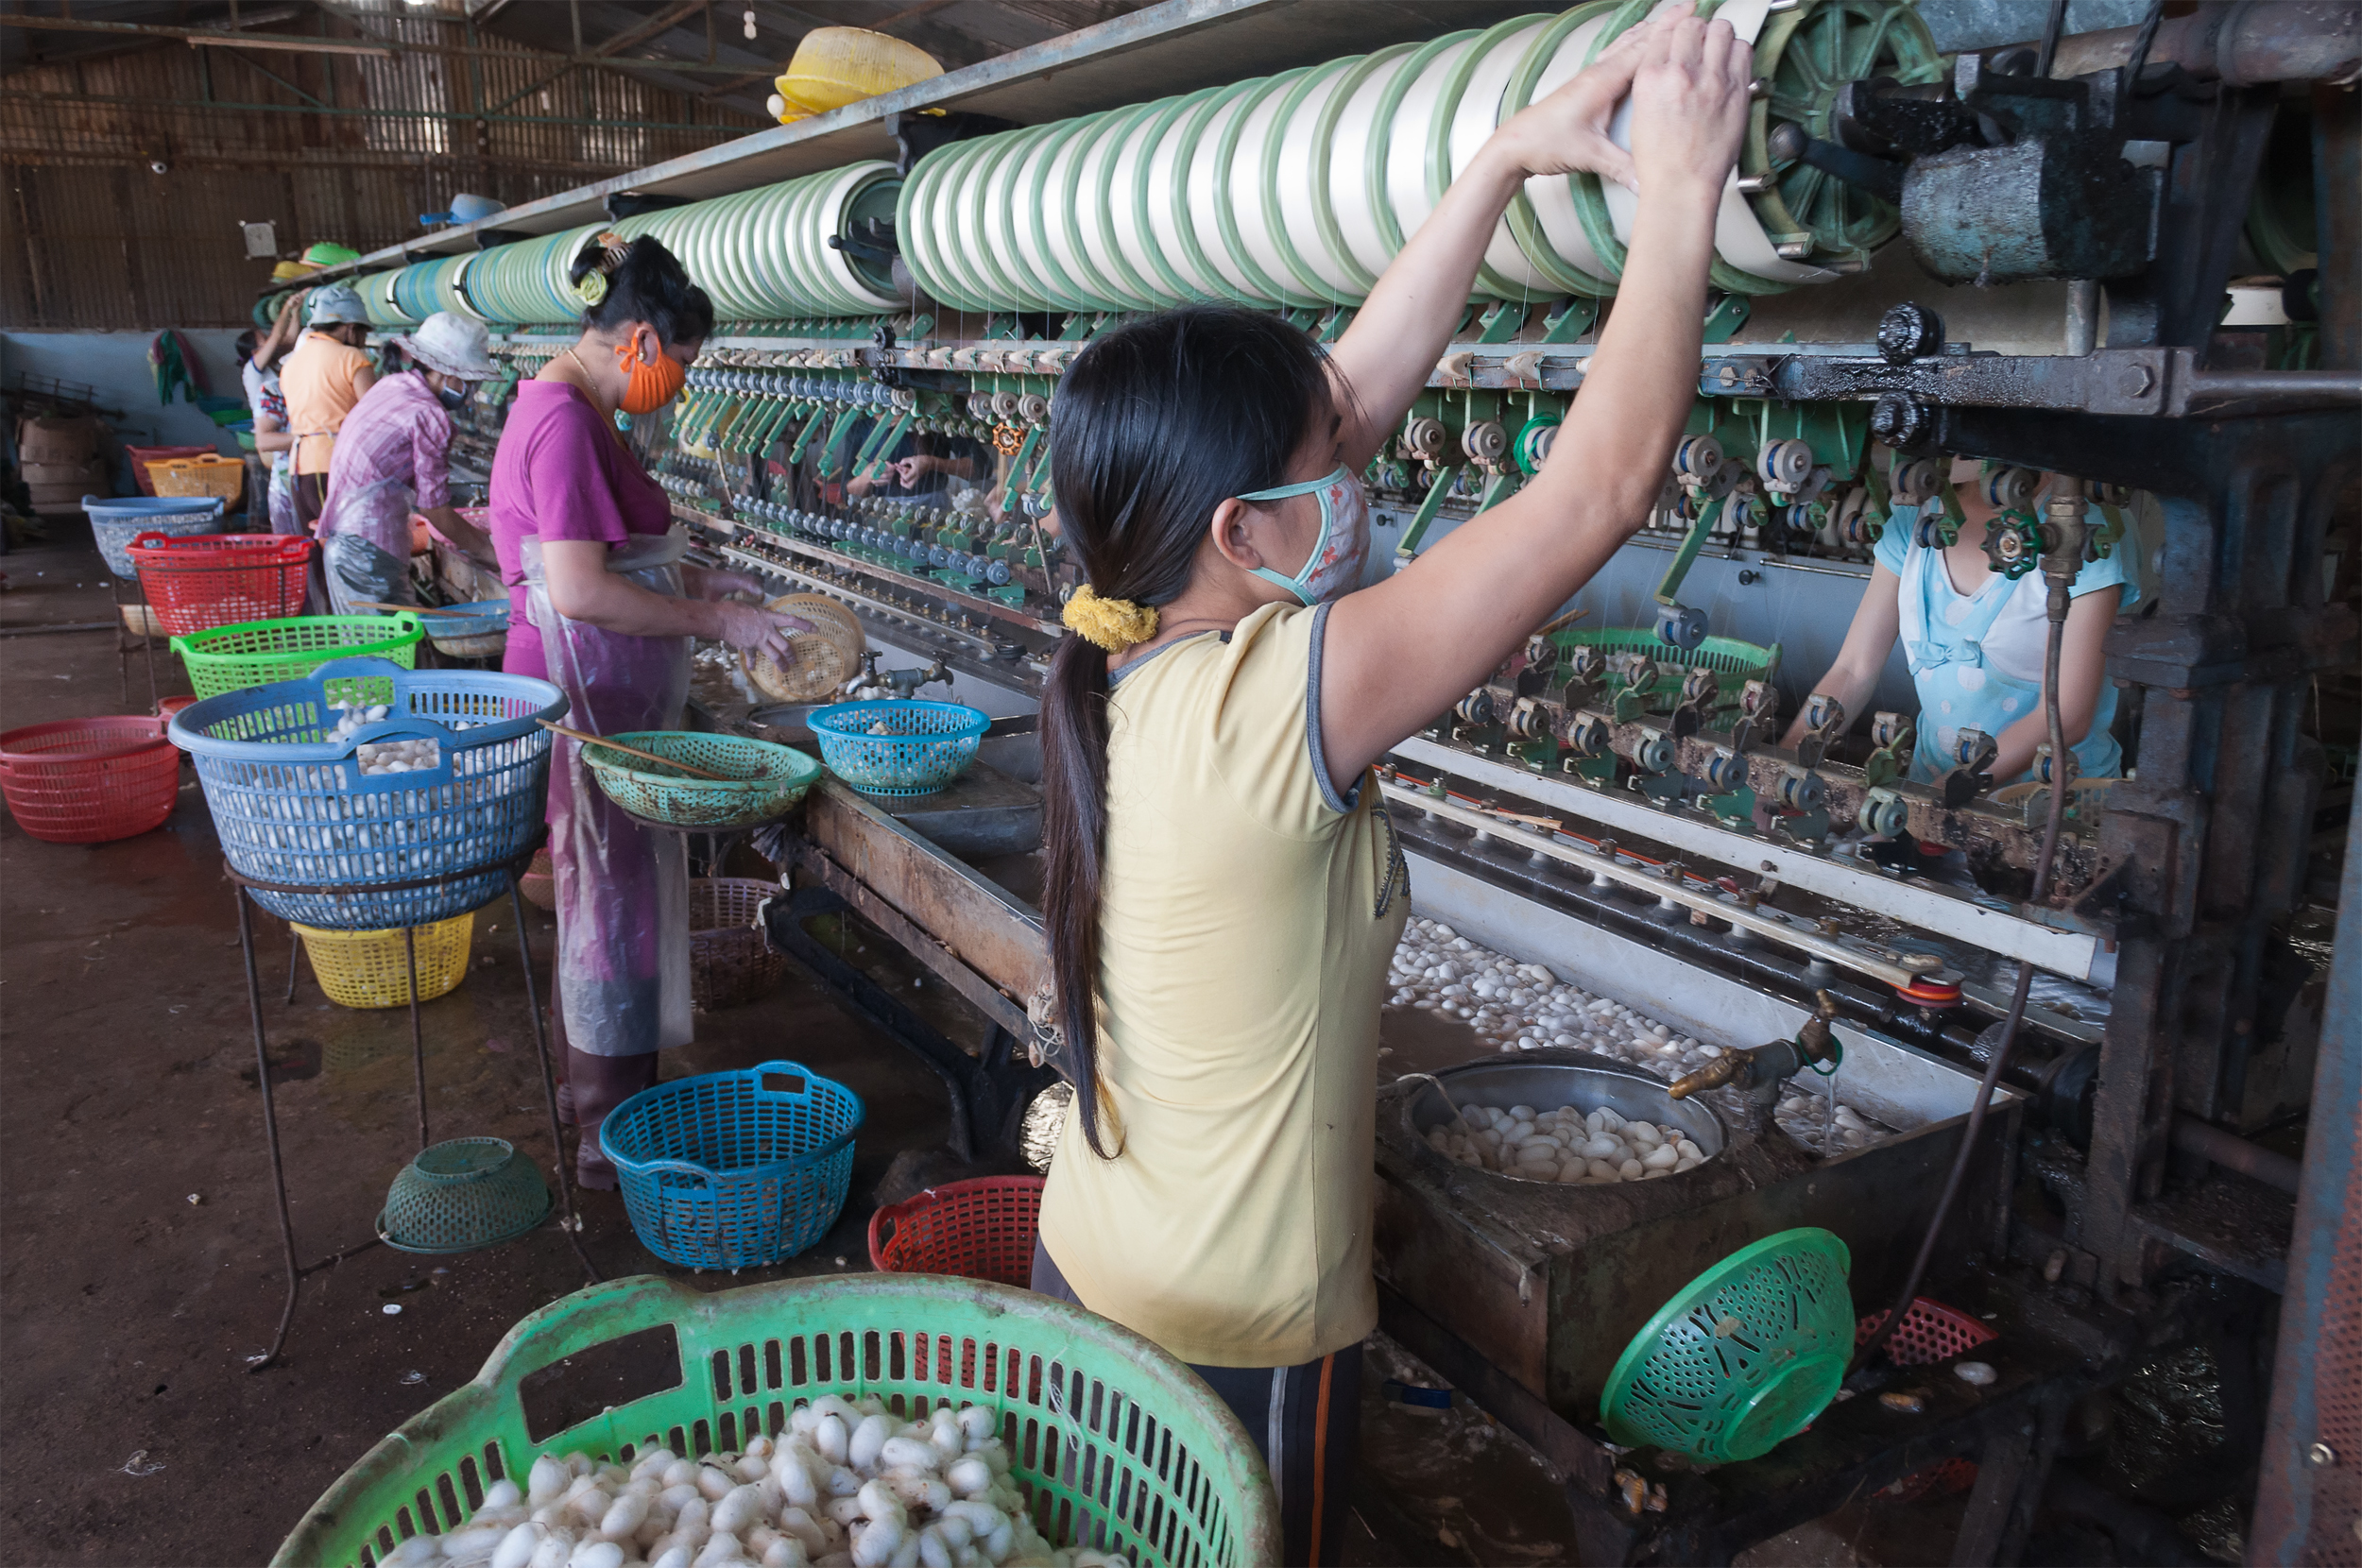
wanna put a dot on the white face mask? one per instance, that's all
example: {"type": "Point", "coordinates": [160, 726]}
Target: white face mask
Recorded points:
{"type": "Point", "coordinates": [1335, 564]}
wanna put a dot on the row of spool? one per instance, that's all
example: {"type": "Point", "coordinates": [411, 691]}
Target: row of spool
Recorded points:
{"type": "Point", "coordinates": [1292, 189]}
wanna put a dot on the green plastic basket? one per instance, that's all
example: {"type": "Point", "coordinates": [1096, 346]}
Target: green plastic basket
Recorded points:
{"type": "Point", "coordinates": [463, 1194]}
{"type": "Point", "coordinates": [1116, 1444]}
{"type": "Point", "coordinates": [765, 780]}
{"type": "Point", "coordinates": [1734, 661]}
{"type": "Point", "coordinates": [258, 652]}
{"type": "Point", "coordinates": [1743, 1358]}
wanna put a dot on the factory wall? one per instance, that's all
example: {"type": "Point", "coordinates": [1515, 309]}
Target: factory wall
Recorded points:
{"type": "Point", "coordinates": [325, 147]}
{"type": "Point", "coordinates": [114, 367]}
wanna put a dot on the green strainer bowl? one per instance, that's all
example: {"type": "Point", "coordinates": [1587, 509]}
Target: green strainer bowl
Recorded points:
{"type": "Point", "coordinates": [461, 1195]}
{"type": "Point", "coordinates": [1743, 1358]}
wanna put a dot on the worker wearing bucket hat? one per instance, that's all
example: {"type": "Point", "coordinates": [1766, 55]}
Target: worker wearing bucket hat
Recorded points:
{"type": "Point", "coordinates": [327, 375]}
{"type": "Point", "coordinates": [393, 457]}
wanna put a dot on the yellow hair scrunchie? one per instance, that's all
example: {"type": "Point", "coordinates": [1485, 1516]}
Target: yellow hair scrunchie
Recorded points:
{"type": "Point", "coordinates": [1113, 624]}
{"type": "Point", "coordinates": [592, 289]}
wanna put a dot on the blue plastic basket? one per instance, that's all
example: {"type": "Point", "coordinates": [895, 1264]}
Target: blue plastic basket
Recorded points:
{"type": "Point", "coordinates": [734, 1169]}
{"type": "Point", "coordinates": [292, 806]}
{"type": "Point", "coordinates": [924, 745]}
{"type": "Point", "coordinates": [114, 523]}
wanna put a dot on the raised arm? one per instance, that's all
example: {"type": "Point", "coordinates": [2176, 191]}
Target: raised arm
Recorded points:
{"type": "Point", "coordinates": [1400, 331]}
{"type": "Point", "coordinates": [1853, 675]}
{"type": "Point", "coordinates": [1398, 653]}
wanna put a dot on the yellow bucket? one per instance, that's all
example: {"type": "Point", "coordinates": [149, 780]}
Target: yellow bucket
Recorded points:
{"type": "Point", "coordinates": [835, 66]}
{"type": "Point", "coordinates": [370, 968]}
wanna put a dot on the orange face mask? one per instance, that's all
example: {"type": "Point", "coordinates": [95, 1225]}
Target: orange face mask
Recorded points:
{"type": "Point", "coordinates": [652, 385]}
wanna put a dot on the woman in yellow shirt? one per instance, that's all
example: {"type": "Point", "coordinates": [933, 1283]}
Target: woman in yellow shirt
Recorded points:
{"type": "Point", "coordinates": [1224, 889]}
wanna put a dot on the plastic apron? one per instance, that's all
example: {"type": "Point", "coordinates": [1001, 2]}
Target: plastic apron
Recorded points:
{"type": "Point", "coordinates": [1958, 687]}
{"type": "Point", "coordinates": [283, 510]}
{"type": "Point", "coordinates": [365, 545]}
{"type": "Point", "coordinates": [623, 889]}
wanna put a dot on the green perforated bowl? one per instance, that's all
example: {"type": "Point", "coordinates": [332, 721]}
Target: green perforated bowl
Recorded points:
{"type": "Point", "coordinates": [461, 1195]}
{"type": "Point", "coordinates": [1743, 1358]}
{"type": "Point", "coordinates": [765, 780]}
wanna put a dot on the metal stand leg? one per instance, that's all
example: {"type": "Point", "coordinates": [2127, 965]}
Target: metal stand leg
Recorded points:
{"type": "Point", "coordinates": [295, 951]}
{"type": "Point", "coordinates": [418, 1037]}
{"type": "Point", "coordinates": [270, 1132]}
{"type": "Point", "coordinates": [567, 1218]}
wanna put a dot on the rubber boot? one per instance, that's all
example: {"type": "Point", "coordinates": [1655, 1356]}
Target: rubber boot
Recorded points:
{"type": "Point", "coordinates": [601, 1084]}
{"type": "Point", "coordinates": [558, 1055]}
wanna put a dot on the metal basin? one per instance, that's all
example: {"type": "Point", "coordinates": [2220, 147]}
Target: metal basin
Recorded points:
{"type": "Point", "coordinates": [1548, 1080]}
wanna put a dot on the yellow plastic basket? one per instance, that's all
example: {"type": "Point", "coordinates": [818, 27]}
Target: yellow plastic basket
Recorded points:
{"type": "Point", "coordinates": [370, 969]}
{"type": "Point", "coordinates": [200, 476]}
{"type": "Point", "coordinates": [835, 66]}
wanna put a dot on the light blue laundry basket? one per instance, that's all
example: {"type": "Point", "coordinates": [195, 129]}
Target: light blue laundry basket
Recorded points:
{"type": "Point", "coordinates": [897, 749]}
{"type": "Point", "coordinates": [734, 1169]}
{"type": "Point", "coordinates": [114, 522]}
{"type": "Point", "coordinates": [292, 806]}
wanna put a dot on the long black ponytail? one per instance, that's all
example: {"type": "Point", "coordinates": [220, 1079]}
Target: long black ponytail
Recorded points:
{"type": "Point", "coordinates": [1159, 423]}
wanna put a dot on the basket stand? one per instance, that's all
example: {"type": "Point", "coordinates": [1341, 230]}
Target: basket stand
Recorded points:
{"type": "Point", "coordinates": [243, 888]}
{"type": "Point", "coordinates": [129, 595]}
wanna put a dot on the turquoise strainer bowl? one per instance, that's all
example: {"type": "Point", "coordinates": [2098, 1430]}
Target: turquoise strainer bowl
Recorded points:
{"type": "Point", "coordinates": [464, 1194]}
{"type": "Point", "coordinates": [1743, 1358]}
{"type": "Point", "coordinates": [897, 748]}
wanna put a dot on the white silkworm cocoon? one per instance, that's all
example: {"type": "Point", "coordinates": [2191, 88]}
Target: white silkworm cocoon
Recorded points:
{"type": "Point", "coordinates": [502, 1494]}
{"type": "Point", "coordinates": [760, 1449]}
{"type": "Point", "coordinates": [970, 1476]}
{"type": "Point", "coordinates": [786, 1552]}
{"type": "Point", "coordinates": [875, 1542]}
{"type": "Point", "coordinates": [878, 1501]}
{"type": "Point", "coordinates": [843, 1482]}
{"type": "Point", "coordinates": [675, 1498]}
{"type": "Point", "coordinates": [554, 1548]}
{"type": "Point", "coordinates": [625, 1516]}
{"type": "Point", "coordinates": [831, 1405]}
{"type": "Point", "coordinates": [596, 1554]}
{"type": "Point", "coordinates": [1001, 1543]}
{"type": "Point", "coordinates": [738, 1509]}
{"type": "Point", "coordinates": [723, 1547]}
{"type": "Point", "coordinates": [516, 1548]}
{"type": "Point", "coordinates": [754, 1467]}
{"type": "Point", "coordinates": [794, 1476]}
{"type": "Point", "coordinates": [476, 1541]}
{"type": "Point", "coordinates": [589, 1505]}
{"type": "Point", "coordinates": [694, 1515]}
{"type": "Point", "coordinates": [906, 1555]}
{"type": "Point", "coordinates": [416, 1552]}
{"type": "Point", "coordinates": [547, 1482]}
{"type": "Point", "coordinates": [844, 1510]}
{"type": "Point", "coordinates": [956, 1532]}
{"type": "Point", "coordinates": [714, 1483]}
{"type": "Point", "coordinates": [934, 1551]}
{"type": "Point", "coordinates": [832, 1437]}
{"type": "Point", "coordinates": [803, 1420]}
{"type": "Point", "coordinates": [672, 1556]}
{"type": "Point", "coordinates": [1663, 1157]}
{"type": "Point", "coordinates": [804, 1528]}
{"type": "Point", "coordinates": [903, 1454]}
{"type": "Point", "coordinates": [862, 1447]}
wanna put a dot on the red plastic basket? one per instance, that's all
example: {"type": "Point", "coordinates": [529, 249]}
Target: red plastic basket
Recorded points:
{"type": "Point", "coordinates": [982, 1229]}
{"type": "Point", "coordinates": [90, 780]}
{"type": "Point", "coordinates": [1931, 1331]}
{"type": "Point", "coordinates": [209, 580]}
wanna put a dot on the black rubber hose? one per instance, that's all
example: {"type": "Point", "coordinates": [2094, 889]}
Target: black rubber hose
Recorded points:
{"type": "Point", "coordinates": [2051, 656]}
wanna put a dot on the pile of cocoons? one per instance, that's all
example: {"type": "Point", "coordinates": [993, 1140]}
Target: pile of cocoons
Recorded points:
{"type": "Point", "coordinates": [1803, 1113]}
{"type": "Point", "coordinates": [418, 755]}
{"type": "Point", "coordinates": [847, 1485]}
{"type": "Point", "coordinates": [1568, 1145]}
{"type": "Point", "coordinates": [1524, 1007]}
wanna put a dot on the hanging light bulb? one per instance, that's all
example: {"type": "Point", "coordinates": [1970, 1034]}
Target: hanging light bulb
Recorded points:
{"type": "Point", "coordinates": [750, 23]}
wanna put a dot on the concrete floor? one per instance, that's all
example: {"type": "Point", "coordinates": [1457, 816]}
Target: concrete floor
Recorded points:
{"type": "Point", "coordinates": [140, 1261]}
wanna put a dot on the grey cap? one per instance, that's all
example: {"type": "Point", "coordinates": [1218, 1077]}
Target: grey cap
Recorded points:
{"type": "Point", "coordinates": [337, 302]}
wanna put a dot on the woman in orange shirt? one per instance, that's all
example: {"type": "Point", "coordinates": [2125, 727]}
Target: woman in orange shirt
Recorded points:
{"type": "Point", "coordinates": [326, 375]}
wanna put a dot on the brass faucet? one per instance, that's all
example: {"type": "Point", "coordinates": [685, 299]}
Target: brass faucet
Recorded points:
{"type": "Point", "coordinates": [1762, 1070]}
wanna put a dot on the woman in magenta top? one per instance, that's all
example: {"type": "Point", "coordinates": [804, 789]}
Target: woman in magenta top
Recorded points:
{"type": "Point", "coordinates": [602, 604]}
